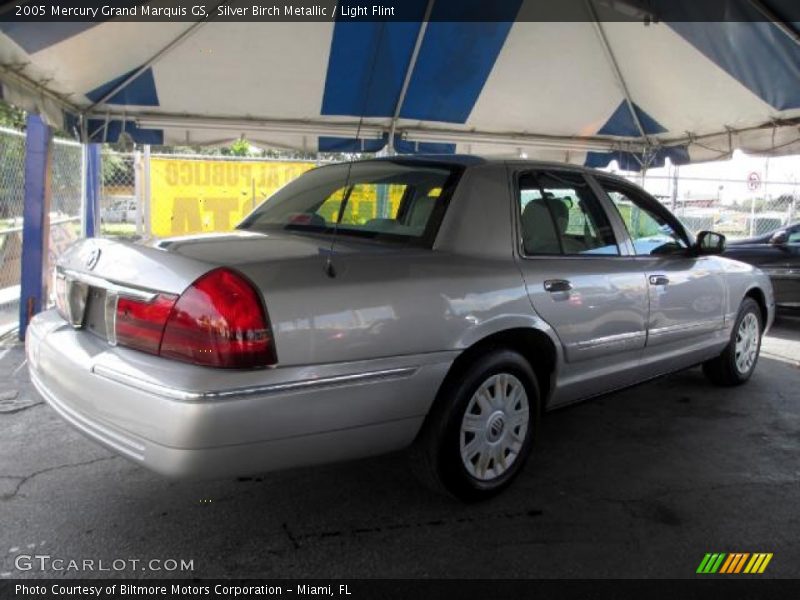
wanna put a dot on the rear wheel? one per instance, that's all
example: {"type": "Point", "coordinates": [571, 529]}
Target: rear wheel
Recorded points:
{"type": "Point", "coordinates": [481, 429]}
{"type": "Point", "coordinates": [738, 361]}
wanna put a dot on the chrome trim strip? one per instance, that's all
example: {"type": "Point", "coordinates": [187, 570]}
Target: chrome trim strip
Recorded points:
{"type": "Point", "coordinates": [782, 272]}
{"type": "Point", "coordinates": [610, 340]}
{"type": "Point", "coordinates": [77, 293]}
{"type": "Point", "coordinates": [709, 324]}
{"type": "Point", "coordinates": [110, 316]}
{"type": "Point", "coordinates": [211, 395]}
{"type": "Point", "coordinates": [109, 286]}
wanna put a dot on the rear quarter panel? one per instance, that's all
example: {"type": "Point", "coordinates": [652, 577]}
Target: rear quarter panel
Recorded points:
{"type": "Point", "coordinates": [403, 301]}
{"type": "Point", "coordinates": [388, 305]}
{"type": "Point", "coordinates": [740, 279]}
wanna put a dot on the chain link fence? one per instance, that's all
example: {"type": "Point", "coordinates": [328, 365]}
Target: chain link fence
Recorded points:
{"type": "Point", "coordinates": [65, 208]}
{"type": "Point", "coordinates": [737, 208]}
{"type": "Point", "coordinates": [12, 180]}
{"type": "Point", "coordinates": [120, 210]}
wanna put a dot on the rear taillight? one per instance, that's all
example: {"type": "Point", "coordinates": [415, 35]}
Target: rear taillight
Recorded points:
{"type": "Point", "coordinates": [218, 321]}
{"type": "Point", "coordinates": [140, 324]}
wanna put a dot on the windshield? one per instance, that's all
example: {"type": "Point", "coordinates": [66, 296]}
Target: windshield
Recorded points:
{"type": "Point", "coordinates": [391, 200]}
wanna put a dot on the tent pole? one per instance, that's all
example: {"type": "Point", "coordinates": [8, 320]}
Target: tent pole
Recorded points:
{"type": "Point", "coordinates": [137, 191]}
{"type": "Point", "coordinates": [423, 26]}
{"type": "Point", "coordinates": [155, 58]}
{"type": "Point", "coordinates": [148, 229]}
{"type": "Point", "coordinates": [674, 187]}
{"type": "Point", "coordinates": [91, 202]}
{"type": "Point", "coordinates": [16, 77]}
{"type": "Point", "coordinates": [617, 71]}
{"type": "Point", "coordinates": [785, 27]}
{"type": "Point", "coordinates": [36, 218]}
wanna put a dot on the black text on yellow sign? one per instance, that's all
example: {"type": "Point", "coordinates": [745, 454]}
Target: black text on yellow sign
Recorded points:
{"type": "Point", "coordinates": [193, 196]}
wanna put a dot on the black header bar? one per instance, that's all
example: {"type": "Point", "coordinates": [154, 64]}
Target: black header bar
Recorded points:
{"type": "Point", "coordinates": [645, 11]}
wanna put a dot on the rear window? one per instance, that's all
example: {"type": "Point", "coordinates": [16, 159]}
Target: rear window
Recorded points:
{"type": "Point", "coordinates": [388, 200]}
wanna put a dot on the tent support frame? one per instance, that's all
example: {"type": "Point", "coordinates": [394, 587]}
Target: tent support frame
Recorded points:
{"type": "Point", "coordinates": [412, 62]}
{"type": "Point", "coordinates": [787, 28]}
{"type": "Point", "coordinates": [16, 78]}
{"type": "Point", "coordinates": [149, 63]}
{"type": "Point", "coordinates": [373, 130]}
{"type": "Point", "coordinates": [617, 71]}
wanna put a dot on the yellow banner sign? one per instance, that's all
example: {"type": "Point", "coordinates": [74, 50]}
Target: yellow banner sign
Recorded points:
{"type": "Point", "coordinates": [193, 196]}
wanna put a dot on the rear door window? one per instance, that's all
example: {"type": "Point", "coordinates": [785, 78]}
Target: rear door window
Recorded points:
{"type": "Point", "coordinates": [560, 214]}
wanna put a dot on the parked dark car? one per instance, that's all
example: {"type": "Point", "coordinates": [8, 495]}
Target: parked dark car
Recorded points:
{"type": "Point", "coordinates": [777, 253]}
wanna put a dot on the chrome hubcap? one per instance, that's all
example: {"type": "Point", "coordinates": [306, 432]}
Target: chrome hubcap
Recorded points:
{"type": "Point", "coordinates": [494, 426]}
{"type": "Point", "coordinates": [747, 340]}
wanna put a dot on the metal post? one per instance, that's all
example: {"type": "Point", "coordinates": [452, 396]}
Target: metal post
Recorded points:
{"type": "Point", "coordinates": [36, 218]}
{"type": "Point", "coordinates": [401, 98]}
{"type": "Point", "coordinates": [91, 205]}
{"type": "Point", "coordinates": [674, 187]}
{"type": "Point", "coordinates": [148, 230]}
{"type": "Point", "coordinates": [137, 191]}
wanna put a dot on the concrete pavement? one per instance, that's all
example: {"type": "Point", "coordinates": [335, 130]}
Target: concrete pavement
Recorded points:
{"type": "Point", "coordinates": [640, 483]}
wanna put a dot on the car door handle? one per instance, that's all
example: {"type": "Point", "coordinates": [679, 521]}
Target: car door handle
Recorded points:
{"type": "Point", "coordinates": [659, 280]}
{"type": "Point", "coordinates": [557, 285]}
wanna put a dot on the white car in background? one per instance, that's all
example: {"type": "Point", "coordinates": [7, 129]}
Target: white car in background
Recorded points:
{"type": "Point", "coordinates": [122, 210]}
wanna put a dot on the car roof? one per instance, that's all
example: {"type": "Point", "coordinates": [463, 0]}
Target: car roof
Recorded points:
{"type": "Point", "coordinates": [471, 160]}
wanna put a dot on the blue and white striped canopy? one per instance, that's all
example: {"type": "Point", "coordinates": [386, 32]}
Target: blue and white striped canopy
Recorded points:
{"type": "Point", "coordinates": [585, 92]}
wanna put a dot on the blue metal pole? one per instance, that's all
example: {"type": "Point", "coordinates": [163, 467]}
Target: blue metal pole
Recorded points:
{"type": "Point", "coordinates": [36, 218]}
{"type": "Point", "coordinates": [92, 204]}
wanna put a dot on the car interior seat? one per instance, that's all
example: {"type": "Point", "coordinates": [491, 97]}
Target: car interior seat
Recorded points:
{"type": "Point", "coordinates": [538, 233]}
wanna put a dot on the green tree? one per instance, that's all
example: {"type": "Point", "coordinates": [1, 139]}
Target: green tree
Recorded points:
{"type": "Point", "coordinates": [11, 116]}
{"type": "Point", "coordinates": [116, 170]}
{"type": "Point", "coordinates": [238, 148]}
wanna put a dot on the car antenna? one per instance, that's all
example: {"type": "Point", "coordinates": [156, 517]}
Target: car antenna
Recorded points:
{"type": "Point", "coordinates": [329, 268]}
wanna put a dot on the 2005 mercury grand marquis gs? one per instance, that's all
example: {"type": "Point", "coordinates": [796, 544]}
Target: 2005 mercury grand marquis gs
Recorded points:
{"type": "Point", "coordinates": [441, 303]}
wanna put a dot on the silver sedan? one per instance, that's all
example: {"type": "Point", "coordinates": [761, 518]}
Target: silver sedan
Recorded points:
{"type": "Point", "coordinates": [438, 303]}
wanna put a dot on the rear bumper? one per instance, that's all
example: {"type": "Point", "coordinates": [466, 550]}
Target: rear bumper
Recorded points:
{"type": "Point", "coordinates": [186, 421]}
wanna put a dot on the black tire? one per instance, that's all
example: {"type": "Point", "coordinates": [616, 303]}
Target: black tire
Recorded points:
{"type": "Point", "coordinates": [436, 454]}
{"type": "Point", "coordinates": [723, 370]}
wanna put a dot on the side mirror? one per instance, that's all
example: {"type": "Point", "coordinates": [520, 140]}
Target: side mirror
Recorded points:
{"type": "Point", "coordinates": [710, 242]}
{"type": "Point", "coordinates": [779, 239]}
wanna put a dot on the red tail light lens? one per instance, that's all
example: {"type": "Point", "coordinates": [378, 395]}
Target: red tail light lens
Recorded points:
{"type": "Point", "coordinates": [140, 324]}
{"type": "Point", "coordinates": [219, 321]}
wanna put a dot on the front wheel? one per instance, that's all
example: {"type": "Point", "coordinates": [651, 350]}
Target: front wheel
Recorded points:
{"type": "Point", "coordinates": [481, 429]}
{"type": "Point", "coordinates": [738, 360]}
